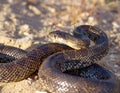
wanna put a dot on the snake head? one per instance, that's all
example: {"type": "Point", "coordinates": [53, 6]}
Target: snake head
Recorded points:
{"type": "Point", "coordinates": [67, 39]}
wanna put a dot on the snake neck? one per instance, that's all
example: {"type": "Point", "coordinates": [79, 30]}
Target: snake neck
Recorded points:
{"type": "Point", "coordinates": [101, 47]}
{"type": "Point", "coordinates": [86, 56]}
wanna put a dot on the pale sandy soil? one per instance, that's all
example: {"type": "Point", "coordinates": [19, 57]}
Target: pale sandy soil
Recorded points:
{"type": "Point", "coordinates": [25, 23]}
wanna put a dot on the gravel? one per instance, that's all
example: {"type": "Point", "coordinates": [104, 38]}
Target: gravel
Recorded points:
{"type": "Point", "coordinates": [25, 23]}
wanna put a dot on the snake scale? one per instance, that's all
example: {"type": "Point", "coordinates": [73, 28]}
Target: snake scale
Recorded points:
{"type": "Point", "coordinates": [66, 70]}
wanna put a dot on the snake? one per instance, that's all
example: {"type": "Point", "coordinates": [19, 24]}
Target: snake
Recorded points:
{"type": "Point", "coordinates": [62, 68]}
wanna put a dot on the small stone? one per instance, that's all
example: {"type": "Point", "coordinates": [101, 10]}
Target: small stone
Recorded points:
{"type": "Point", "coordinates": [85, 14]}
{"type": "Point", "coordinates": [116, 66]}
{"type": "Point", "coordinates": [91, 19]}
{"type": "Point", "coordinates": [24, 30]}
{"type": "Point", "coordinates": [115, 25]}
{"type": "Point", "coordinates": [36, 77]}
{"type": "Point", "coordinates": [29, 81]}
{"type": "Point", "coordinates": [104, 21]}
{"type": "Point", "coordinates": [10, 1]}
{"type": "Point", "coordinates": [41, 92]}
{"type": "Point", "coordinates": [35, 9]}
{"type": "Point", "coordinates": [52, 10]}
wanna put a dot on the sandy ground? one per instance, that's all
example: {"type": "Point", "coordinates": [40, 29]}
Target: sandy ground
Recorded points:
{"type": "Point", "coordinates": [25, 23]}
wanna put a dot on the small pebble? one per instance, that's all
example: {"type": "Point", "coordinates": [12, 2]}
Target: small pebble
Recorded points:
{"type": "Point", "coordinates": [41, 92]}
{"type": "Point", "coordinates": [116, 66]}
{"type": "Point", "coordinates": [29, 81]}
{"type": "Point", "coordinates": [115, 25]}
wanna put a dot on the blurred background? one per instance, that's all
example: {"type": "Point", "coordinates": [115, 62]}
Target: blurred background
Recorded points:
{"type": "Point", "coordinates": [25, 23]}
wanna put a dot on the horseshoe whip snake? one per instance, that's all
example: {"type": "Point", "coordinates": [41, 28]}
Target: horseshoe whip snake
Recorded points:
{"type": "Point", "coordinates": [66, 70]}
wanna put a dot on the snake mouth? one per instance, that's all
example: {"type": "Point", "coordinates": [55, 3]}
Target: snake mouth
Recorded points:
{"type": "Point", "coordinates": [76, 46]}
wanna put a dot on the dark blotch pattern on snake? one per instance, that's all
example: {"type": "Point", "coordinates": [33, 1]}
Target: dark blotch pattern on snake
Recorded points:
{"type": "Point", "coordinates": [70, 71]}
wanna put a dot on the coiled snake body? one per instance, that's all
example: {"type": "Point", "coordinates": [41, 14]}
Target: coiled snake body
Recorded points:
{"type": "Point", "coordinates": [69, 71]}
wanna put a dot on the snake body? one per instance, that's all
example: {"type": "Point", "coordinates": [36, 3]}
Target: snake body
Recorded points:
{"type": "Point", "coordinates": [69, 71]}
{"type": "Point", "coordinates": [87, 82]}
